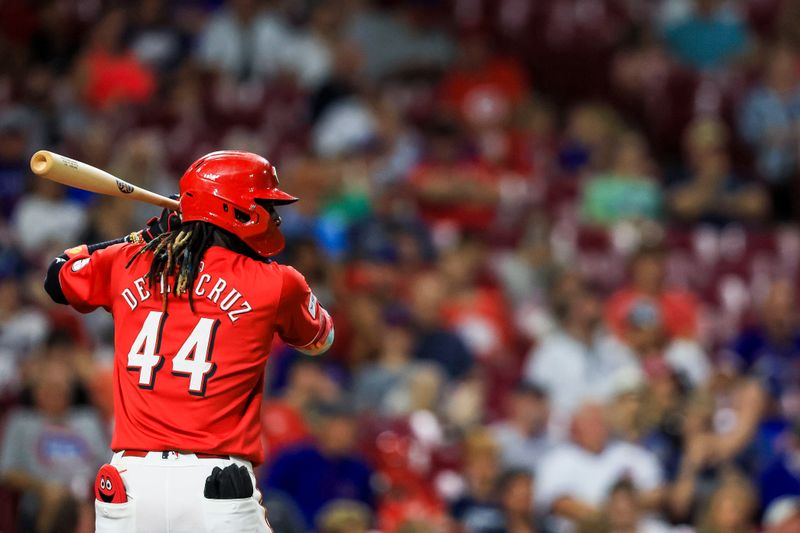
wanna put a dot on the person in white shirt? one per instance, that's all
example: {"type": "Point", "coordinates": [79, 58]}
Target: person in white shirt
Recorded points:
{"type": "Point", "coordinates": [575, 479]}
{"type": "Point", "coordinates": [569, 363]}
{"type": "Point", "coordinates": [47, 218]}
{"type": "Point", "coordinates": [244, 41]}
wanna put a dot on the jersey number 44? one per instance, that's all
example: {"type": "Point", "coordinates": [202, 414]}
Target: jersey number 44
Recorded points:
{"type": "Point", "coordinates": [193, 360]}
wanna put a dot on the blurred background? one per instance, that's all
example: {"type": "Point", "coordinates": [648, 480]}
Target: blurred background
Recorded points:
{"type": "Point", "coordinates": [558, 239]}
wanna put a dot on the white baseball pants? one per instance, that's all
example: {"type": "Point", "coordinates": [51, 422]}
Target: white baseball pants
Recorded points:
{"type": "Point", "coordinates": [165, 495]}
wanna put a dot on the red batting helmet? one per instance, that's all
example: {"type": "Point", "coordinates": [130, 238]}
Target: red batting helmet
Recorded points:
{"type": "Point", "coordinates": [223, 188]}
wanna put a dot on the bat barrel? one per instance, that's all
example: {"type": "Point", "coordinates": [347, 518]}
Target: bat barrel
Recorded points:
{"type": "Point", "coordinates": [41, 162]}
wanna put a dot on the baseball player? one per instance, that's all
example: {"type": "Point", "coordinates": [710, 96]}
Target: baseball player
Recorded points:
{"type": "Point", "coordinates": [196, 301]}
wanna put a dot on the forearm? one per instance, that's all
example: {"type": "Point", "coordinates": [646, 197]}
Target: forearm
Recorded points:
{"type": "Point", "coordinates": [22, 481]}
{"type": "Point", "coordinates": [573, 509]}
{"type": "Point", "coordinates": [653, 500]}
{"type": "Point", "coordinates": [679, 500]}
{"type": "Point", "coordinates": [324, 338]}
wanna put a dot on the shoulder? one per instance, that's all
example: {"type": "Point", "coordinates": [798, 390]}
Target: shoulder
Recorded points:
{"type": "Point", "coordinates": [558, 343]}
{"type": "Point", "coordinates": [83, 416]}
{"type": "Point", "coordinates": [20, 418]}
{"type": "Point", "coordinates": [562, 454]}
{"type": "Point", "coordinates": [293, 282]}
{"type": "Point", "coordinates": [629, 452]}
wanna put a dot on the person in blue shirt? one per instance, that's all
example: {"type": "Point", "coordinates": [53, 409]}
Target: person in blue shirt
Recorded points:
{"type": "Point", "coordinates": [782, 476]}
{"type": "Point", "coordinates": [328, 468]}
{"type": "Point", "coordinates": [770, 349]}
{"type": "Point", "coordinates": [709, 38]}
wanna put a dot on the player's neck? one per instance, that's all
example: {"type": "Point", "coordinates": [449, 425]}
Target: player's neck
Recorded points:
{"type": "Point", "coordinates": [227, 241]}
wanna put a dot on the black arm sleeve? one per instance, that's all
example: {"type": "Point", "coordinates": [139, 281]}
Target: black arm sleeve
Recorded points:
{"type": "Point", "coordinates": [51, 284]}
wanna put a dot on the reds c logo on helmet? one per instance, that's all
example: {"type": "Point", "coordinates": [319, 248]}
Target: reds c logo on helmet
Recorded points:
{"type": "Point", "coordinates": [228, 189]}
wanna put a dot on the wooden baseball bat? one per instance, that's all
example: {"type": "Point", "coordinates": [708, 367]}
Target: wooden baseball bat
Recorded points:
{"type": "Point", "coordinates": [66, 171]}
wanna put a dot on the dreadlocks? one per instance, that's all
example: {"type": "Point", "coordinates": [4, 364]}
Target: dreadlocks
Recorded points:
{"type": "Point", "coordinates": [177, 255]}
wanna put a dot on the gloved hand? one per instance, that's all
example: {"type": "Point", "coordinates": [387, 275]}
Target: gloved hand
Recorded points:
{"type": "Point", "coordinates": [228, 484]}
{"type": "Point", "coordinates": [166, 222]}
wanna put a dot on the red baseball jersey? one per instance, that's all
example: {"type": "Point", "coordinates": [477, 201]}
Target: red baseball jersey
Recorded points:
{"type": "Point", "coordinates": [193, 381]}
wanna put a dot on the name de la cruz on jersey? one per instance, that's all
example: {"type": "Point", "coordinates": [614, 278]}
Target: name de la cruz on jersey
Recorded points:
{"type": "Point", "coordinates": [213, 288]}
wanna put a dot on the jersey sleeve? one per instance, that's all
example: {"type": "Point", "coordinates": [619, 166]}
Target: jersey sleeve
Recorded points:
{"type": "Point", "coordinates": [302, 322]}
{"type": "Point", "coordinates": [85, 278]}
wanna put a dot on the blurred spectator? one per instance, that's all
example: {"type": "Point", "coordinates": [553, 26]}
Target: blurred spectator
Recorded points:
{"type": "Point", "coordinates": [434, 341]}
{"type": "Point", "coordinates": [109, 73]}
{"type": "Point", "coordinates": [522, 435]}
{"type": "Point", "coordinates": [46, 218]}
{"type": "Point", "coordinates": [769, 349]}
{"type": "Point", "coordinates": [393, 233]}
{"type": "Point", "coordinates": [783, 516]}
{"type": "Point", "coordinates": [576, 477]}
{"type": "Point", "coordinates": [452, 191]}
{"type": "Point", "coordinates": [710, 36]}
{"type": "Point", "coordinates": [516, 495]}
{"type": "Point", "coordinates": [310, 54]}
{"type": "Point", "coordinates": [343, 516]}
{"type": "Point", "coordinates": [56, 40]}
{"type": "Point", "coordinates": [662, 416]}
{"type": "Point", "coordinates": [710, 191]}
{"type": "Point", "coordinates": [14, 133]}
{"type": "Point", "coordinates": [391, 386]}
{"type": "Point", "coordinates": [243, 40]}
{"type": "Point", "coordinates": [589, 139]}
{"type": "Point", "coordinates": [402, 38]}
{"type": "Point", "coordinates": [476, 311]}
{"type": "Point", "coordinates": [645, 344]}
{"type": "Point", "coordinates": [624, 514]}
{"type": "Point", "coordinates": [155, 41]}
{"type": "Point", "coordinates": [23, 328]}
{"type": "Point", "coordinates": [567, 360]}
{"type": "Point", "coordinates": [70, 446]}
{"type": "Point", "coordinates": [328, 468]}
{"type": "Point", "coordinates": [484, 88]}
{"type": "Point", "coordinates": [770, 122]}
{"type": "Point", "coordinates": [283, 419]}
{"type": "Point", "coordinates": [781, 477]}
{"type": "Point", "coordinates": [346, 127]}
{"type": "Point", "coordinates": [717, 432]}
{"type": "Point", "coordinates": [647, 275]}
{"type": "Point", "coordinates": [627, 191]}
{"type": "Point", "coordinates": [477, 509]}
{"type": "Point", "coordinates": [732, 507]}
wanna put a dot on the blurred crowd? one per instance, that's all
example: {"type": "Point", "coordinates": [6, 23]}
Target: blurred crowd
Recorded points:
{"type": "Point", "coordinates": [559, 240]}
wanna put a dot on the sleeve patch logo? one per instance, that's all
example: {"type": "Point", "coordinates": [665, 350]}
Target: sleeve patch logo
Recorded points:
{"type": "Point", "coordinates": [312, 305]}
{"type": "Point", "coordinates": [79, 264]}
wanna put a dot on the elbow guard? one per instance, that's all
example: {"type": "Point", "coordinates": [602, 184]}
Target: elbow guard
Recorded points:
{"type": "Point", "coordinates": [52, 285]}
{"type": "Point", "coordinates": [324, 338]}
